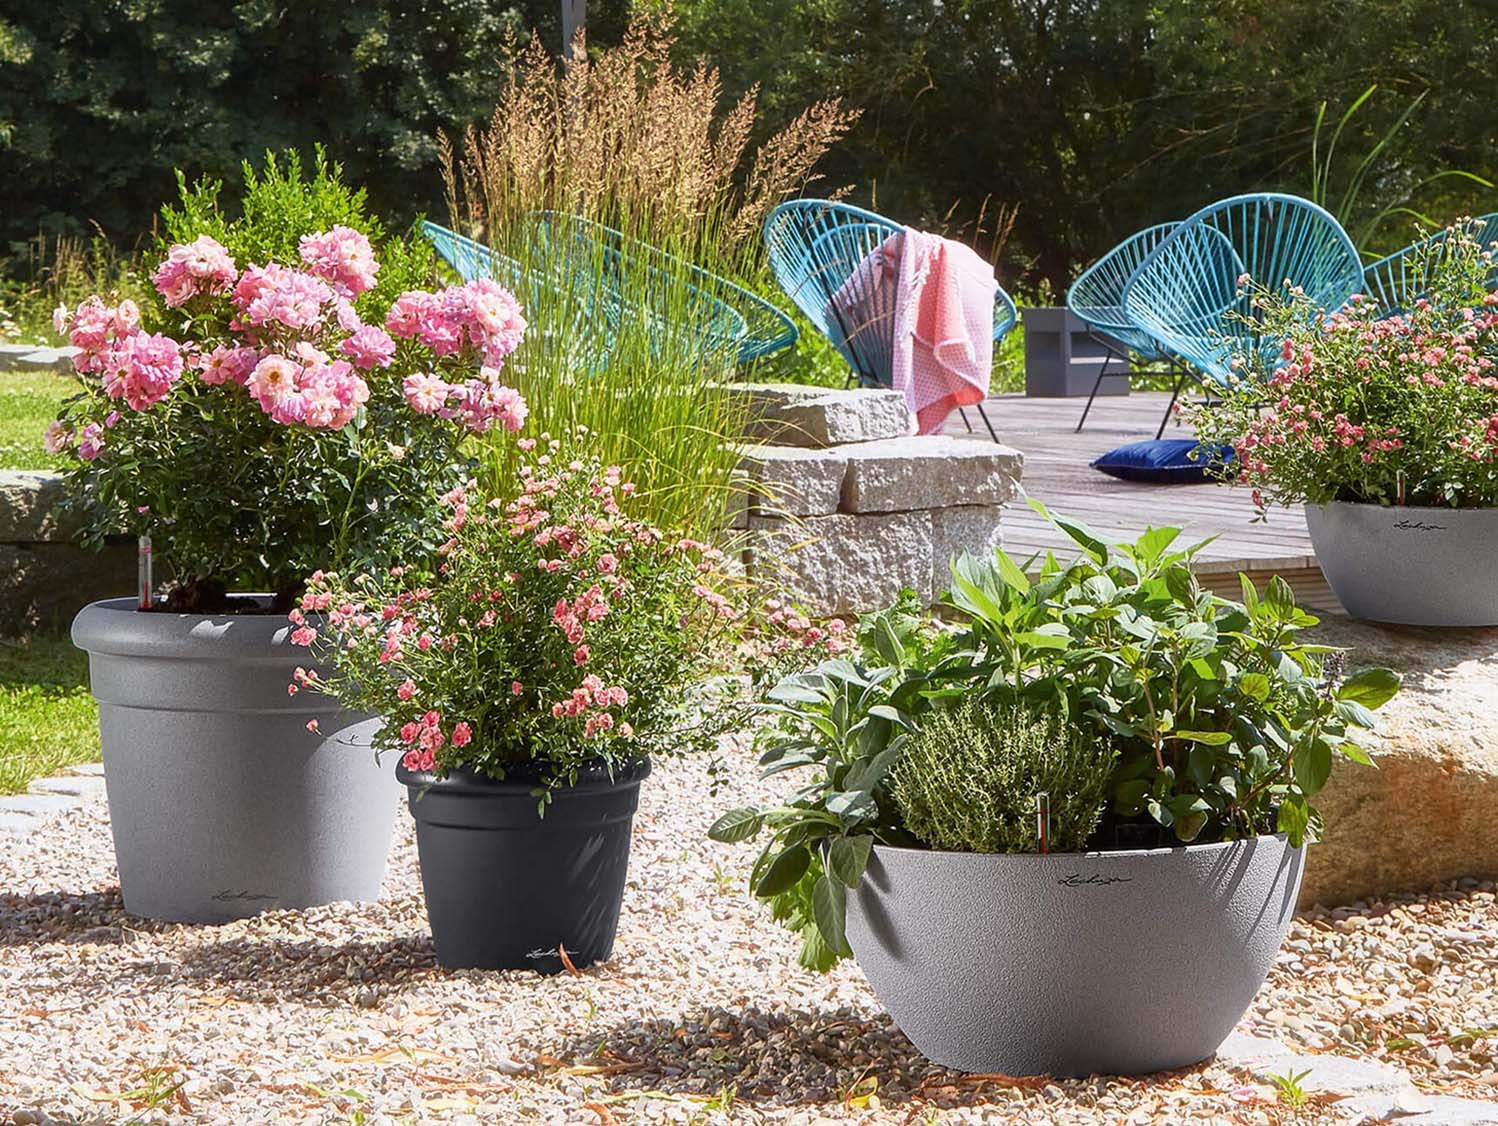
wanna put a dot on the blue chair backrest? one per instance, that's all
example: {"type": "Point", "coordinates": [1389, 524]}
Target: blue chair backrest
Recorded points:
{"type": "Point", "coordinates": [596, 312]}
{"type": "Point", "coordinates": [767, 330]}
{"type": "Point", "coordinates": [1185, 292]}
{"type": "Point", "coordinates": [1096, 297]}
{"type": "Point", "coordinates": [825, 255]}
{"type": "Point", "coordinates": [663, 288]}
{"type": "Point", "coordinates": [1397, 281]}
{"type": "Point", "coordinates": [610, 277]}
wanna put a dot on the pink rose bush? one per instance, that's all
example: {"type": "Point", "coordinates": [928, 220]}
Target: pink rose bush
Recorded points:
{"type": "Point", "coordinates": [251, 412]}
{"type": "Point", "coordinates": [552, 628]}
{"type": "Point", "coordinates": [1358, 405]}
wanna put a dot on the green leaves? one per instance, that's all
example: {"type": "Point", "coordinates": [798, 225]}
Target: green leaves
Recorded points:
{"type": "Point", "coordinates": [1293, 820]}
{"type": "Point", "coordinates": [829, 904]}
{"type": "Point", "coordinates": [1372, 688]}
{"type": "Point", "coordinates": [783, 873]}
{"type": "Point", "coordinates": [847, 857]}
{"type": "Point", "coordinates": [736, 825]}
{"type": "Point", "coordinates": [1254, 685]}
{"type": "Point", "coordinates": [1313, 766]}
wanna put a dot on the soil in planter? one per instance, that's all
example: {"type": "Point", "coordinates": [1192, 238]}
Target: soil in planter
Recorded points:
{"type": "Point", "coordinates": [209, 596]}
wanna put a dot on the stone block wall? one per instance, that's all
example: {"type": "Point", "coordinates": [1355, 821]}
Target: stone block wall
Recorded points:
{"type": "Point", "coordinates": [846, 508]}
{"type": "Point", "coordinates": [45, 577]}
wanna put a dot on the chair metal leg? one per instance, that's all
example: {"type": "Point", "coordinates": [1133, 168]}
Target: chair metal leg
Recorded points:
{"type": "Point", "coordinates": [965, 420]}
{"type": "Point", "coordinates": [1174, 395]}
{"type": "Point", "coordinates": [983, 414]}
{"type": "Point", "coordinates": [1097, 383]}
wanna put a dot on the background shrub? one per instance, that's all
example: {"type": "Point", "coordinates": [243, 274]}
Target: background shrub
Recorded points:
{"type": "Point", "coordinates": [967, 781]}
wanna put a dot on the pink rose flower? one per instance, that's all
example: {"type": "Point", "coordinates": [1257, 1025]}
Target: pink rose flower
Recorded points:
{"type": "Point", "coordinates": [273, 379]}
{"type": "Point", "coordinates": [369, 347]}
{"type": "Point", "coordinates": [228, 364]}
{"type": "Point", "coordinates": [426, 393]}
{"type": "Point", "coordinates": [59, 437]}
{"type": "Point", "coordinates": [342, 256]}
{"type": "Point", "coordinates": [199, 267]}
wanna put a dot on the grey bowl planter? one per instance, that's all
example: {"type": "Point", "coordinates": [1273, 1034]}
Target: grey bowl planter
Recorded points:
{"type": "Point", "coordinates": [1073, 964]}
{"type": "Point", "coordinates": [506, 886]}
{"type": "Point", "coordinates": [1408, 565]}
{"type": "Point", "coordinates": [221, 802]}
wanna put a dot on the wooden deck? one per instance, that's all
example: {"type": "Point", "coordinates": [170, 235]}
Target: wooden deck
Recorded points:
{"type": "Point", "coordinates": [1057, 471]}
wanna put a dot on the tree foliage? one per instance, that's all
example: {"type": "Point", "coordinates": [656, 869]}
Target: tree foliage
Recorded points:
{"type": "Point", "coordinates": [1099, 117]}
{"type": "Point", "coordinates": [1095, 117]}
{"type": "Point", "coordinates": [101, 99]}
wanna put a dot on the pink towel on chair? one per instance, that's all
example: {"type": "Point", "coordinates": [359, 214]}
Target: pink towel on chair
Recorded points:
{"type": "Point", "coordinates": [932, 300]}
{"type": "Point", "coordinates": [943, 344]}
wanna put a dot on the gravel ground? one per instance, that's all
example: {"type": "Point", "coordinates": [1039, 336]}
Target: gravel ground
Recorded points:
{"type": "Point", "coordinates": [339, 1014]}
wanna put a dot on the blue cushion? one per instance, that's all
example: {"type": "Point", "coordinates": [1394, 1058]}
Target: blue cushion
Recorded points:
{"type": "Point", "coordinates": [1164, 461]}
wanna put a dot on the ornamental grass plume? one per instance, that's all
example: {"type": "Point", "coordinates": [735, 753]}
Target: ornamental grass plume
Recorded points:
{"type": "Point", "coordinates": [1371, 405]}
{"type": "Point", "coordinates": [602, 186]}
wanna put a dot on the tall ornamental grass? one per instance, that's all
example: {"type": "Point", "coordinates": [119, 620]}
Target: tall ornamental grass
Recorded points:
{"type": "Point", "coordinates": [582, 169]}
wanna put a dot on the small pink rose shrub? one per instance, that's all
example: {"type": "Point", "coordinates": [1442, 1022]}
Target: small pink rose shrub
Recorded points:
{"type": "Point", "coordinates": [553, 627]}
{"type": "Point", "coordinates": [255, 419]}
{"type": "Point", "coordinates": [1355, 407]}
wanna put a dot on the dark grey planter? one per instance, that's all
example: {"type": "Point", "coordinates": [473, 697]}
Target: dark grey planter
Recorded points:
{"type": "Point", "coordinates": [1408, 565]}
{"type": "Point", "coordinates": [1074, 964]}
{"type": "Point", "coordinates": [1063, 358]}
{"type": "Point", "coordinates": [222, 803]}
{"type": "Point", "coordinates": [507, 886]}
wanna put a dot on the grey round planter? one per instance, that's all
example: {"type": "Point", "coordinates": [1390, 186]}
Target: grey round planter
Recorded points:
{"type": "Point", "coordinates": [1408, 565]}
{"type": "Point", "coordinates": [1073, 964]}
{"type": "Point", "coordinates": [222, 803]}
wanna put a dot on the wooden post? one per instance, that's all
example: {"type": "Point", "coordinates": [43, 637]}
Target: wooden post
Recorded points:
{"type": "Point", "coordinates": [574, 19]}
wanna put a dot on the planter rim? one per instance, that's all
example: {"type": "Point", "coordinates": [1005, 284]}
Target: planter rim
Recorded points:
{"type": "Point", "coordinates": [462, 780]}
{"type": "Point", "coordinates": [1111, 854]}
{"type": "Point", "coordinates": [118, 627]}
{"type": "Point", "coordinates": [1399, 507]}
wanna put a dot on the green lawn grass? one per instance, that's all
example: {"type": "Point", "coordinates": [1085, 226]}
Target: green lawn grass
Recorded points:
{"type": "Point", "coordinates": [28, 401]}
{"type": "Point", "coordinates": [48, 721]}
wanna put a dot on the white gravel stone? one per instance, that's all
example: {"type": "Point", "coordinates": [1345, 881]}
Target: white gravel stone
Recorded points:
{"type": "Point", "coordinates": [324, 1015]}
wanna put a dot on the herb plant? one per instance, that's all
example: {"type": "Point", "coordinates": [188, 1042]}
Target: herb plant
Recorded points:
{"type": "Point", "coordinates": [1225, 718]}
{"type": "Point", "coordinates": [968, 779]}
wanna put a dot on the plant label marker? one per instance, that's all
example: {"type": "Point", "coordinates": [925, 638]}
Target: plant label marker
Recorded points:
{"type": "Point", "coordinates": [143, 569]}
{"type": "Point", "coordinates": [1043, 821]}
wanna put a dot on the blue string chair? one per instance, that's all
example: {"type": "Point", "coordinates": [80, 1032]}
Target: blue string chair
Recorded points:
{"type": "Point", "coordinates": [1397, 281]}
{"type": "Point", "coordinates": [1096, 299]}
{"type": "Point", "coordinates": [820, 250]}
{"type": "Point", "coordinates": [767, 330]}
{"type": "Point", "coordinates": [572, 251]}
{"type": "Point", "coordinates": [1185, 292]}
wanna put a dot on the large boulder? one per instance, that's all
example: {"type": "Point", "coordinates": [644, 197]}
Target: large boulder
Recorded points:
{"type": "Point", "coordinates": [1429, 812]}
